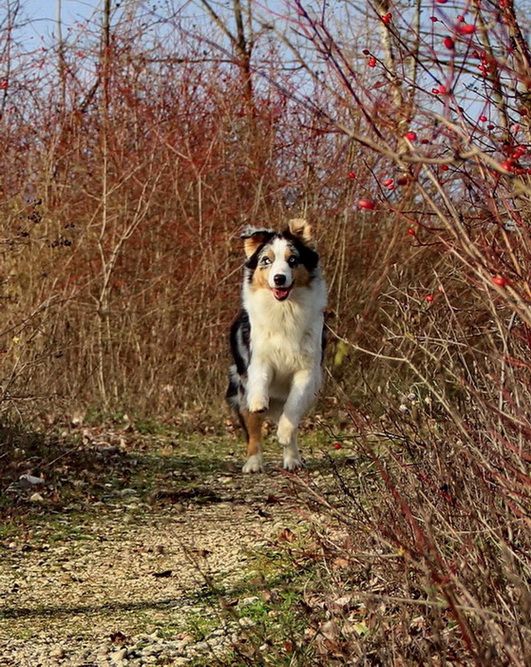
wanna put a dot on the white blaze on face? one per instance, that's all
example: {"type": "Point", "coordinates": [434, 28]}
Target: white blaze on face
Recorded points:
{"type": "Point", "coordinates": [280, 265]}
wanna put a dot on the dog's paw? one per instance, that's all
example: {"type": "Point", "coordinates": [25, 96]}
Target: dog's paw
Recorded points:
{"type": "Point", "coordinates": [258, 404]}
{"type": "Point", "coordinates": [292, 461]}
{"type": "Point", "coordinates": [284, 431]}
{"type": "Point", "coordinates": [254, 463]}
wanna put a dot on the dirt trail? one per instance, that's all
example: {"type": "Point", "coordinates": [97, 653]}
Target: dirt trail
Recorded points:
{"type": "Point", "coordinates": [114, 561]}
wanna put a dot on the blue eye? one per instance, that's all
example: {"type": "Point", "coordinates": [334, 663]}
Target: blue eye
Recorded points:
{"type": "Point", "coordinates": [265, 261]}
{"type": "Point", "coordinates": [293, 261]}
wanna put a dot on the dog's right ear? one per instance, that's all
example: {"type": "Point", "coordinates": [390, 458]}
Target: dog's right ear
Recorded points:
{"type": "Point", "coordinates": [253, 238]}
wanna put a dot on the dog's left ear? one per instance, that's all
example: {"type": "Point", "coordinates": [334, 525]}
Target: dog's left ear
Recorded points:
{"type": "Point", "coordinates": [299, 227]}
{"type": "Point", "coordinates": [253, 238]}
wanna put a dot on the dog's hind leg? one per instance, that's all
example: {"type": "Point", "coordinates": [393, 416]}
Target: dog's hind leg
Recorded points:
{"type": "Point", "coordinates": [253, 427]}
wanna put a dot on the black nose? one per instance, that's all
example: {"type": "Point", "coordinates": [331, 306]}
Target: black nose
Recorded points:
{"type": "Point", "coordinates": [279, 279]}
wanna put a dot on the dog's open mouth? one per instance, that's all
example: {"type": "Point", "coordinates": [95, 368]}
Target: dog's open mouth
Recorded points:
{"type": "Point", "coordinates": [281, 293]}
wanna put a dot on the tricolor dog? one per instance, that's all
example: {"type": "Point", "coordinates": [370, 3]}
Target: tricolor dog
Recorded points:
{"type": "Point", "coordinates": [277, 339]}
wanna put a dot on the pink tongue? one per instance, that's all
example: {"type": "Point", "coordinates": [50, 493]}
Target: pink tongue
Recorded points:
{"type": "Point", "coordinates": [281, 293]}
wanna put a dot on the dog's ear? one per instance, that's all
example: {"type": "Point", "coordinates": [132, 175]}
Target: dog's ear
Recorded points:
{"type": "Point", "coordinates": [253, 238]}
{"type": "Point", "coordinates": [299, 227]}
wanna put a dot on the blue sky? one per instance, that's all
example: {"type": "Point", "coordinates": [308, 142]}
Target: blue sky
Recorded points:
{"type": "Point", "coordinates": [40, 29]}
{"type": "Point", "coordinates": [43, 15]}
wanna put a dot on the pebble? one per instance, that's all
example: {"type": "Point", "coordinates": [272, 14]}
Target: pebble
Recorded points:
{"type": "Point", "coordinates": [30, 480]}
{"type": "Point", "coordinates": [220, 632]}
{"type": "Point", "coordinates": [251, 600]}
{"type": "Point", "coordinates": [57, 652]}
{"type": "Point", "coordinates": [202, 647]}
{"type": "Point", "coordinates": [118, 656]}
{"type": "Point", "coordinates": [152, 650]}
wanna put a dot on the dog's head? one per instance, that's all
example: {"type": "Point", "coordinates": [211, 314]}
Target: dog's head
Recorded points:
{"type": "Point", "coordinates": [280, 261]}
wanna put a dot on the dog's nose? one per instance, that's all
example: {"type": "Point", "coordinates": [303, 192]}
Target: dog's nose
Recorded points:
{"type": "Point", "coordinates": [279, 279]}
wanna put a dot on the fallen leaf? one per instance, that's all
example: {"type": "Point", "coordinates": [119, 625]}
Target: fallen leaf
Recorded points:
{"type": "Point", "coordinates": [361, 629]}
{"type": "Point", "coordinates": [287, 535]}
{"type": "Point", "coordinates": [288, 646]}
{"type": "Point", "coordinates": [329, 630]}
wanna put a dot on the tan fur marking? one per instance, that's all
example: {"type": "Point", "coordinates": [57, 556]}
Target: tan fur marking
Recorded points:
{"type": "Point", "coordinates": [251, 243]}
{"type": "Point", "coordinates": [261, 275]}
{"type": "Point", "coordinates": [300, 227]}
{"type": "Point", "coordinates": [253, 423]}
{"type": "Point", "coordinates": [301, 277]}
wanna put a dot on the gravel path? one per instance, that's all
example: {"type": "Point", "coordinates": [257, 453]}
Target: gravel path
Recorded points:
{"type": "Point", "coordinates": [124, 576]}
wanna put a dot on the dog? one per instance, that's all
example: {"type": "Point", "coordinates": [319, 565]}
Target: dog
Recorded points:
{"type": "Point", "coordinates": [277, 340]}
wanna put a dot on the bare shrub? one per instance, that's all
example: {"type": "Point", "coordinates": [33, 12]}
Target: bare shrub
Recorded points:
{"type": "Point", "coordinates": [133, 156]}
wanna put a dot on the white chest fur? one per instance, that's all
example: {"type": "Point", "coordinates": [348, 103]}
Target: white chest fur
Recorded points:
{"type": "Point", "coordinates": [287, 335]}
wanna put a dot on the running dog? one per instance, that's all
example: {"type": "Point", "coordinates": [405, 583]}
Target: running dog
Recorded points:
{"type": "Point", "coordinates": [277, 340]}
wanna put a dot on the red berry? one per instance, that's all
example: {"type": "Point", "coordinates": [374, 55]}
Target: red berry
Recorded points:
{"type": "Point", "coordinates": [507, 164]}
{"type": "Point", "coordinates": [351, 175]}
{"type": "Point", "coordinates": [441, 2]}
{"type": "Point", "coordinates": [411, 231]}
{"type": "Point", "coordinates": [338, 445]}
{"type": "Point", "coordinates": [491, 126]}
{"type": "Point", "coordinates": [444, 167]}
{"type": "Point", "coordinates": [461, 19]}
{"type": "Point", "coordinates": [500, 280]}
{"type": "Point", "coordinates": [386, 18]}
{"type": "Point", "coordinates": [465, 29]}
{"type": "Point", "coordinates": [3, 84]}
{"type": "Point", "coordinates": [449, 43]}
{"type": "Point", "coordinates": [411, 136]}
{"type": "Point", "coordinates": [440, 90]}
{"type": "Point", "coordinates": [433, 19]}
{"type": "Point", "coordinates": [402, 180]}
{"type": "Point", "coordinates": [366, 52]}
{"type": "Point", "coordinates": [371, 62]}
{"type": "Point", "coordinates": [428, 298]}
{"type": "Point", "coordinates": [483, 119]}
{"type": "Point", "coordinates": [388, 181]}
{"type": "Point", "coordinates": [366, 204]}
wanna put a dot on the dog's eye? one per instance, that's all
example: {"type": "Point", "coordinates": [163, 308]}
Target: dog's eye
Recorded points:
{"type": "Point", "coordinates": [265, 261]}
{"type": "Point", "coordinates": [293, 261]}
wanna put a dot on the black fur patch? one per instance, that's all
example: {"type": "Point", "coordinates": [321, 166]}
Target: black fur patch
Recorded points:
{"type": "Point", "coordinates": [240, 340]}
{"type": "Point", "coordinates": [309, 257]}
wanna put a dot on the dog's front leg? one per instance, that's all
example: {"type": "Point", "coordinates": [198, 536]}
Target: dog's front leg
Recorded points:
{"type": "Point", "coordinates": [259, 376]}
{"type": "Point", "coordinates": [301, 396]}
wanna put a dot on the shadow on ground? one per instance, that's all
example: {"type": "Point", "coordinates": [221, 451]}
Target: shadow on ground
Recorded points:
{"type": "Point", "coordinates": [77, 470]}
